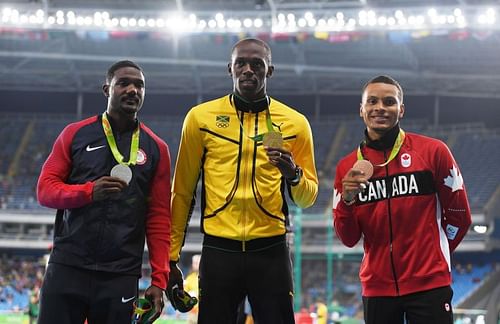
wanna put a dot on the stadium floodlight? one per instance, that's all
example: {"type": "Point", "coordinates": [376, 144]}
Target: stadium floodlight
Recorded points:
{"type": "Point", "coordinates": [258, 23]}
{"type": "Point", "coordinates": [290, 20]}
{"type": "Point", "coordinates": [480, 229]}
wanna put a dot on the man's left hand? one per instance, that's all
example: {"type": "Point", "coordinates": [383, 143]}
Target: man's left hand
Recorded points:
{"type": "Point", "coordinates": [155, 295]}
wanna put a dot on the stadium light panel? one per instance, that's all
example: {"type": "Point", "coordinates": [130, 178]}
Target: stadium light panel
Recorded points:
{"type": "Point", "coordinates": [258, 23]}
{"type": "Point", "coordinates": [326, 20]}
{"type": "Point", "coordinates": [480, 229]}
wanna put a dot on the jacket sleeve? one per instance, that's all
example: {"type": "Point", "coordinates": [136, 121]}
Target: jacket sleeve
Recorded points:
{"type": "Point", "coordinates": [52, 191]}
{"type": "Point", "coordinates": [305, 192]}
{"type": "Point", "coordinates": [345, 222]}
{"type": "Point", "coordinates": [187, 170]}
{"type": "Point", "coordinates": [452, 196]}
{"type": "Point", "coordinates": [158, 222]}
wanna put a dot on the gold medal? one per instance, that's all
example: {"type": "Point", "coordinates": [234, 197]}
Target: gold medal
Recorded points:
{"type": "Point", "coordinates": [272, 139]}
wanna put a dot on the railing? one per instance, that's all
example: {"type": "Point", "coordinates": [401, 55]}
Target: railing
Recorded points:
{"type": "Point", "coordinates": [35, 231]}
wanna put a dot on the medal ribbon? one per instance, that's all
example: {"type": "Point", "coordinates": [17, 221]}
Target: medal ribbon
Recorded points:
{"type": "Point", "coordinates": [269, 122]}
{"type": "Point", "coordinates": [134, 145]}
{"type": "Point", "coordinates": [395, 149]}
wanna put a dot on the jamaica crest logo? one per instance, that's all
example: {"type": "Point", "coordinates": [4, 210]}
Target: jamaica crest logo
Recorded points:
{"type": "Point", "coordinates": [222, 121]}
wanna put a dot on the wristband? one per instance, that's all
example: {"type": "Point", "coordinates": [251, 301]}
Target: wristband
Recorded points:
{"type": "Point", "coordinates": [349, 203]}
{"type": "Point", "coordinates": [298, 175]}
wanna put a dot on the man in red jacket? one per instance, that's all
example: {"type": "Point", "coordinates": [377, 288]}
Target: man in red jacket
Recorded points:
{"type": "Point", "coordinates": [412, 213]}
{"type": "Point", "coordinates": [108, 176]}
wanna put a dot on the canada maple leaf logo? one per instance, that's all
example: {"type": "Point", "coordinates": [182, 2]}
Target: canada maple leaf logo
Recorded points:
{"type": "Point", "coordinates": [336, 198]}
{"type": "Point", "coordinates": [454, 180]}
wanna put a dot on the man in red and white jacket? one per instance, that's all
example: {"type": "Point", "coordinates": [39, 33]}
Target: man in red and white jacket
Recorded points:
{"type": "Point", "coordinates": [412, 213]}
{"type": "Point", "coordinates": [108, 176]}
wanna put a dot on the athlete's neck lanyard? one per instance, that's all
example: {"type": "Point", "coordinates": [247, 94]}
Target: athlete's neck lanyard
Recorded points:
{"type": "Point", "coordinates": [395, 149]}
{"type": "Point", "coordinates": [134, 145]}
{"type": "Point", "coordinates": [269, 122]}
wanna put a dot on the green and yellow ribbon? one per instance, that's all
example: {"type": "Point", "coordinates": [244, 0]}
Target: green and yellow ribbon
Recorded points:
{"type": "Point", "coordinates": [394, 152]}
{"type": "Point", "coordinates": [134, 145]}
{"type": "Point", "coordinates": [269, 122]}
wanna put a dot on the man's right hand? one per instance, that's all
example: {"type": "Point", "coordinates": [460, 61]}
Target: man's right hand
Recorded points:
{"type": "Point", "coordinates": [108, 188]}
{"type": "Point", "coordinates": [353, 183]}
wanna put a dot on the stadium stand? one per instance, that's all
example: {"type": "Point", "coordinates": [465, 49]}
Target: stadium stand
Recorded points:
{"type": "Point", "coordinates": [11, 135]}
{"type": "Point", "coordinates": [467, 278]}
{"type": "Point", "coordinates": [34, 136]}
{"type": "Point", "coordinates": [473, 148]}
{"type": "Point", "coordinates": [18, 276]}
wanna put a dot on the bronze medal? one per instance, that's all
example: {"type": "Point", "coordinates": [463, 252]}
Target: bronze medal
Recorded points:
{"type": "Point", "coordinates": [365, 166]}
{"type": "Point", "coordinates": [272, 139]}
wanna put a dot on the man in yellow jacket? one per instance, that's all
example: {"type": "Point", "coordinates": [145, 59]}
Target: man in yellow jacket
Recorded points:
{"type": "Point", "coordinates": [248, 149]}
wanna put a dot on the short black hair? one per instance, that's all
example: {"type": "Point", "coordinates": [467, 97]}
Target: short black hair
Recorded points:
{"type": "Point", "coordinates": [387, 80]}
{"type": "Point", "coordinates": [118, 65]}
{"type": "Point", "coordinates": [256, 41]}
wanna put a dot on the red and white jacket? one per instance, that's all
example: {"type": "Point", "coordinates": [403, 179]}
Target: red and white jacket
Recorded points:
{"type": "Point", "coordinates": [108, 235]}
{"type": "Point", "coordinates": [412, 215]}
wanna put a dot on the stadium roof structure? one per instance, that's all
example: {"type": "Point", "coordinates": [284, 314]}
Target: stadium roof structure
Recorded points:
{"type": "Point", "coordinates": [319, 47]}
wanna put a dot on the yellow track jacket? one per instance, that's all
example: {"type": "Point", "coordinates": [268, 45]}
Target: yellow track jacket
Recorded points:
{"type": "Point", "coordinates": [242, 195]}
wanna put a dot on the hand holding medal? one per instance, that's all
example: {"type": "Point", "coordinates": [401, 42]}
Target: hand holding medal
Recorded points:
{"type": "Point", "coordinates": [278, 156]}
{"type": "Point", "coordinates": [356, 180]}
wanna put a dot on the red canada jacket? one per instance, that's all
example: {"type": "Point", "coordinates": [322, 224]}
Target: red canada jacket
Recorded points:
{"type": "Point", "coordinates": [411, 216]}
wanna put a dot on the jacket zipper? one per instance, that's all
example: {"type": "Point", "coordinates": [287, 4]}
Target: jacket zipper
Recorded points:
{"type": "Point", "coordinates": [393, 267]}
{"type": "Point", "coordinates": [102, 225]}
{"type": "Point", "coordinates": [245, 178]}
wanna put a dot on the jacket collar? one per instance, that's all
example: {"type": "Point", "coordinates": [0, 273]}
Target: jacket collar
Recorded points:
{"type": "Point", "coordinates": [130, 127]}
{"type": "Point", "coordinates": [250, 106]}
{"type": "Point", "coordinates": [384, 143]}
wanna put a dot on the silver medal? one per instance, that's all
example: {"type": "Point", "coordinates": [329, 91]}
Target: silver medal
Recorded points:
{"type": "Point", "coordinates": [122, 171]}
